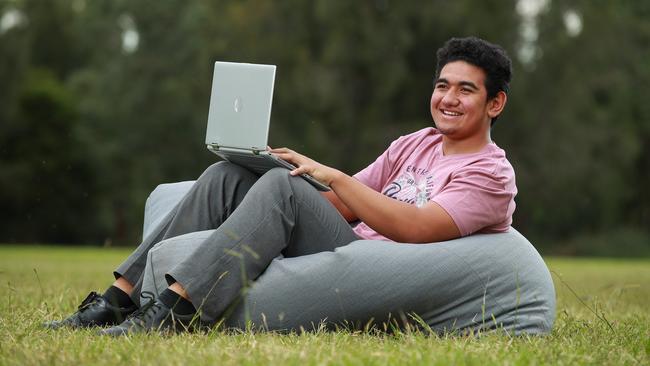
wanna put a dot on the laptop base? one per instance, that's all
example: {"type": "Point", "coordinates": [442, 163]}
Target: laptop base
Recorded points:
{"type": "Point", "coordinates": [259, 162]}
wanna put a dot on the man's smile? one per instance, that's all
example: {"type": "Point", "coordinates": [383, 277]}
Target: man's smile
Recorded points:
{"type": "Point", "coordinates": [447, 112]}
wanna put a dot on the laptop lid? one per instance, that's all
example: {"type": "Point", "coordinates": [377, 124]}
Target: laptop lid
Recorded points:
{"type": "Point", "coordinates": [240, 105]}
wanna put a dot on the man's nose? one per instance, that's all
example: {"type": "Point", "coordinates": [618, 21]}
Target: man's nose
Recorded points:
{"type": "Point", "coordinates": [450, 98]}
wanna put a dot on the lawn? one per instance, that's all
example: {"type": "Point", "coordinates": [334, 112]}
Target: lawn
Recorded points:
{"type": "Point", "coordinates": [602, 319]}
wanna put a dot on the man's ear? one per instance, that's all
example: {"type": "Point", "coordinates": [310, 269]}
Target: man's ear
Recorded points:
{"type": "Point", "coordinates": [496, 104]}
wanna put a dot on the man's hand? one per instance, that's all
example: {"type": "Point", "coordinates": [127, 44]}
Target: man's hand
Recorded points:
{"type": "Point", "coordinates": [305, 165]}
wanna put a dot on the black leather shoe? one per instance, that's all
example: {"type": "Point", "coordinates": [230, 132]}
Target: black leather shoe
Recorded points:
{"type": "Point", "coordinates": [154, 317]}
{"type": "Point", "coordinates": [94, 311]}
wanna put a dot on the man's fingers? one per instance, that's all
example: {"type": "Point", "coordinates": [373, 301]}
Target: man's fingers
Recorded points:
{"type": "Point", "coordinates": [280, 150]}
{"type": "Point", "coordinates": [284, 156]}
{"type": "Point", "coordinates": [297, 171]}
{"type": "Point", "coordinates": [300, 170]}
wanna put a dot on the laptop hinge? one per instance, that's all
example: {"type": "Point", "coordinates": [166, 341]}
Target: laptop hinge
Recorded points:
{"type": "Point", "coordinates": [217, 147]}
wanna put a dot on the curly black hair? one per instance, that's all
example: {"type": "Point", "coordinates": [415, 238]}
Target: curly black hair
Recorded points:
{"type": "Point", "coordinates": [492, 58]}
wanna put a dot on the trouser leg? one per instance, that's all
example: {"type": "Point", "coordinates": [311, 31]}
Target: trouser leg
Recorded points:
{"type": "Point", "coordinates": [214, 196]}
{"type": "Point", "coordinates": [279, 215]}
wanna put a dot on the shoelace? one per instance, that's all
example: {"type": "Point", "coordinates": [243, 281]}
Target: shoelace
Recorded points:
{"type": "Point", "coordinates": [89, 300]}
{"type": "Point", "coordinates": [146, 311]}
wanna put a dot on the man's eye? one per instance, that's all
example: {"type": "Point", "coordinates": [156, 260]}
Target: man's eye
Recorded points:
{"type": "Point", "coordinates": [440, 86]}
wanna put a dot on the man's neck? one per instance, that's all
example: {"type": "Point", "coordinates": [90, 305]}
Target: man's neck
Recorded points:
{"type": "Point", "coordinates": [464, 146]}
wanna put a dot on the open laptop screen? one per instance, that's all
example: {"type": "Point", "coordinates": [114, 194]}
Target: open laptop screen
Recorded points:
{"type": "Point", "coordinates": [240, 105]}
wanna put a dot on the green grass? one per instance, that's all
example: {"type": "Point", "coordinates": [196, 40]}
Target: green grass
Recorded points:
{"type": "Point", "coordinates": [606, 323]}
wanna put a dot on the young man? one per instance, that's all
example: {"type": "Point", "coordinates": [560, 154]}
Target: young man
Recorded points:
{"type": "Point", "coordinates": [432, 185]}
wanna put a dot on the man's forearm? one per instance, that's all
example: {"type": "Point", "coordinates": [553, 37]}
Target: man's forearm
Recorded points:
{"type": "Point", "coordinates": [340, 206]}
{"type": "Point", "coordinates": [395, 220]}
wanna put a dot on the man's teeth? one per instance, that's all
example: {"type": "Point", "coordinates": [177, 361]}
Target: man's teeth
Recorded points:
{"type": "Point", "coordinates": [450, 113]}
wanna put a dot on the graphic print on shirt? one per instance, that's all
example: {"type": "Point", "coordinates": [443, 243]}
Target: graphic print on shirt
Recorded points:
{"type": "Point", "coordinates": [413, 186]}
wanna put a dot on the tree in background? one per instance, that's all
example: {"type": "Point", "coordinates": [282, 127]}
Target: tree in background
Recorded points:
{"type": "Point", "coordinates": [47, 177]}
{"type": "Point", "coordinates": [116, 92]}
{"type": "Point", "coordinates": [579, 139]}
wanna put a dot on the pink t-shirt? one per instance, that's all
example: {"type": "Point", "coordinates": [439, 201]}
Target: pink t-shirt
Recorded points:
{"type": "Point", "coordinates": [477, 190]}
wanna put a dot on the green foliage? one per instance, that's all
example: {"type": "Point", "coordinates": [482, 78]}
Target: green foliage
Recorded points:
{"type": "Point", "coordinates": [583, 150]}
{"type": "Point", "coordinates": [46, 183]}
{"type": "Point", "coordinates": [352, 76]}
{"type": "Point", "coordinates": [618, 242]}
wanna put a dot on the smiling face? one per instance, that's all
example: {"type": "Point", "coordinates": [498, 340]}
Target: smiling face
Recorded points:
{"type": "Point", "coordinates": [459, 104]}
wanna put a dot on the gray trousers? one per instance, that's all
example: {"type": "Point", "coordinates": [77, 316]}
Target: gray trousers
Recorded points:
{"type": "Point", "coordinates": [256, 220]}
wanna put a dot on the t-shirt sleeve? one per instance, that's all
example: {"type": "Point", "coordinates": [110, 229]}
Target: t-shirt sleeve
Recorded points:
{"type": "Point", "coordinates": [378, 172]}
{"type": "Point", "coordinates": [479, 197]}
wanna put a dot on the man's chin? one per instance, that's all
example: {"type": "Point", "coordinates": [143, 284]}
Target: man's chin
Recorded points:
{"type": "Point", "coordinates": [446, 131]}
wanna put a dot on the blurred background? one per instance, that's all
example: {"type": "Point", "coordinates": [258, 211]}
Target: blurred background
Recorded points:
{"type": "Point", "coordinates": [101, 100]}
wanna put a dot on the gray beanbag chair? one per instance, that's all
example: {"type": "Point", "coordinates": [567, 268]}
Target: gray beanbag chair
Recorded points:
{"type": "Point", "coordinates": [480, 282]}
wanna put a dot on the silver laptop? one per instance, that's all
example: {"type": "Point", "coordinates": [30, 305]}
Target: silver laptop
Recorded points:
{"type": "Point", "coordinates": [240, 115]}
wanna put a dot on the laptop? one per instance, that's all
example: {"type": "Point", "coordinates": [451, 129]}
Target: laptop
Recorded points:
{"type": "Point", "coordinates": [240, 116]}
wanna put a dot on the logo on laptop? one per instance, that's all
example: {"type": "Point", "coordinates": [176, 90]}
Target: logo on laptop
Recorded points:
{"type": "Point", "coordinates": [238, 105]}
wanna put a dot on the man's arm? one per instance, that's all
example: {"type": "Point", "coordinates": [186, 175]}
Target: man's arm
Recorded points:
{"type": "Point", "coordinates": [396, 220]}
{"type": "Point", "coordinates": [393, 219]}
{"type": "Point", "coordinates": [340, 206]}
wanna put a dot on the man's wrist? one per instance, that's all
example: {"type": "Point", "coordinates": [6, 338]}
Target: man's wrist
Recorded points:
{"type": "Point", "coordinates": [337, 176]}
